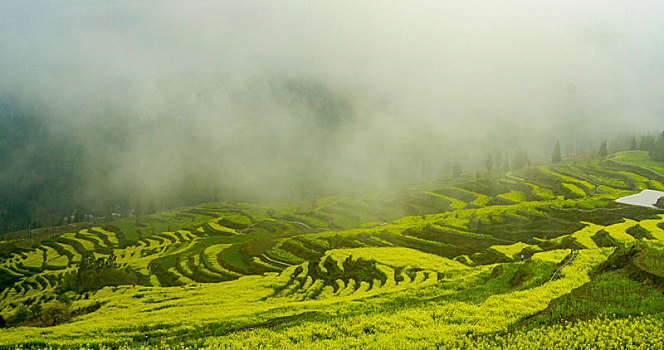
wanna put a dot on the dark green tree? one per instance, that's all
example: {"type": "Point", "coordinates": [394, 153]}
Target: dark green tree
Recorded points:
{"type": "Point", "coordinates": [647, 143]}
{"type": "Point", "coordinates": [633, 145]}
{"type": "Point", "coordinates": [603, 151]}
{"type": "Point", "coordinates": [108, 215]}
{"type": "Point", "coordinates": [657, 150]}
{"type": "Point", "coordinates": [54, 313]}
{"type": "Point", "coordinates": [77, 216]}
{"type": "Point", "coordinates": [556, 156]}
{"type": "Point", "coordinates": [21, 314]}
{"type": "Point", "coordinates": [96, 273]}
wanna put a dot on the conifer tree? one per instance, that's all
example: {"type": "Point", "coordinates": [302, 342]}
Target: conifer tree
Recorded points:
{"type": "Point", "coordinates": [603, 152]}
{"type": "Point", "coordinates": [557, 156]}
{"type": "Point", "coordinates": [657, 149]}
{"type": "Point", "coordinates": [647, 143]}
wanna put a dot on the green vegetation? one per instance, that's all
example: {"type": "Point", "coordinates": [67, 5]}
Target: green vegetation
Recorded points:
{"type": "Point", "coordinates": [639, 158]}
{"type": "Point", "coordinates": [539, 258]}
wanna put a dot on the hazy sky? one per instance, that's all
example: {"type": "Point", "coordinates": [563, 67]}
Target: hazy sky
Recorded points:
{"type": "Point", "coordinates": [224, 87]}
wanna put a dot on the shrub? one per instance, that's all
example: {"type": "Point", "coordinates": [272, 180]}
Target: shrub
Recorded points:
{"type": "Point", "coordinates": [54, 313]}
{"type": "Point", "coordinates": [94, 274]}
{"type": "Point", "coordinates": [21, 314]}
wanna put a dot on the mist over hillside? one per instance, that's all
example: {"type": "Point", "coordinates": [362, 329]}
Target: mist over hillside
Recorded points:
{"type": "Point", "coordinates": [165, 103]}
{"type": "Point", "coordinates": [331, 175]}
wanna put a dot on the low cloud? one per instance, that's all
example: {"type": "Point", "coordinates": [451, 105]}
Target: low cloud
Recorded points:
{"type": "Point", "coordinates": [274, 100]}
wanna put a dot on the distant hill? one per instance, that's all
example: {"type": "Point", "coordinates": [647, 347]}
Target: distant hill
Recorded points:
{"type": "Point", "coordinates": [39, 172]}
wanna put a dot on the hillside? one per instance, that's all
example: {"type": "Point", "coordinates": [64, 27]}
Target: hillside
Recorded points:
{"type": "Point", "coordinates": [542, 257]}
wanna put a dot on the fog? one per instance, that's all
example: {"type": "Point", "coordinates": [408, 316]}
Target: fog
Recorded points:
{"type": "Point", "coordinates": [272, 100]}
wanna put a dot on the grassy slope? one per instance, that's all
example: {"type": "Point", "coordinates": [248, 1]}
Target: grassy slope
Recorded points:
{"type": "Point", "coordinates": [639, 158]}
{"type": "Point", "coordinates": [439, 264]}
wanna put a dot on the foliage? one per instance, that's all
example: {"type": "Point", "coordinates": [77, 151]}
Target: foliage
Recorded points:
{"type": "Point", "coordinates": [603, 152]}
{"type": "Point", "coordinates": [21, 314]}
{"type": "Point", "coordinates": [96, 273]}
{"type": "Point", "coordinates": [556, 156]}
{"type": "Point", "coordinates": [429, 265]}
{"type": "Point", "coordinates": [54, 313]}
{"type": "Point", "coordinates": [656, 152]}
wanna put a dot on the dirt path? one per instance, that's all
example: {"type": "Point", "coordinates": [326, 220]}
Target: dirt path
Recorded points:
{"type": "Point", "coordinates": [283, 220]}
{"type": "Point", "coordinates": [653, 171]}
{"type": "Point", "coordinates": [275, 261]}
{"type": "Point", "coordinates": [585, 210]}
{"type": "Point", "coordinates": [565, 264]}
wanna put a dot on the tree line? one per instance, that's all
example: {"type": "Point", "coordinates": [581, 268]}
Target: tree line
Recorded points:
{"type": "Point", "coordinates": [654, 145]}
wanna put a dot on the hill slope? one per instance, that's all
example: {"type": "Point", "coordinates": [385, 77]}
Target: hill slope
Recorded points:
{"type": "Point", "coordinates": [526, 259]}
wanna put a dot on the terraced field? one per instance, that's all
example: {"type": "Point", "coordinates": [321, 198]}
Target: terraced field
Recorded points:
{"type": "Point", "coordinates": [450, 263]}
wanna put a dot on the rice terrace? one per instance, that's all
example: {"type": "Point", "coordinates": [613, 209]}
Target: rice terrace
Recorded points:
{"type": "Point", "coordinates": [206, 174]}
{"type": "Point", "coordinates": [540, 257]}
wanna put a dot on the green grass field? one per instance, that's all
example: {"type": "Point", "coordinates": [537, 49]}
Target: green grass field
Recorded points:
{"type": "Point", "coordinates": [540, 258]}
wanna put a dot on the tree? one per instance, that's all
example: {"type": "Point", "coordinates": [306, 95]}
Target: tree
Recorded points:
{"type": "Point", "coordinates": [557, 156]}
{"type": "Point", "coordinates": [506, 164]}
{"type": "Point", "coordinates": [108, 216]}
{"type": "Point", "coordinates": [54, 313]}
{"type": "Point", "coordinates": [489, 163]}
{"type": "Point", "coordinates": [96, 273]}
{"type": "Point", "coordinates": [603, 152]}
{"type": "Point", "coordinates": [657, 150]}
{"type": "Point", "coordinates": [21, 314]}
{"type": "Point", "coordinates": [647, 143]}
{"type": "Point", "coordinates": [633, 145]}
{"type": "Point", "coordinates": [77, 216]}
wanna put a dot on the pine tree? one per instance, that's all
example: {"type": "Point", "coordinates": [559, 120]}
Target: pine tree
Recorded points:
{"type": "Point", "coordinates": [557, 156]}
{"type": "Point", "coordinates": [108, 216]}
{"type": "Point", "coordinates": [657, 150]}
{"type": "Point", "coordinates": [633, 145]}
{"type": "Point", "coordinates": [603, 152]}
{"type": "Point", "coordinates": [647, 143]}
